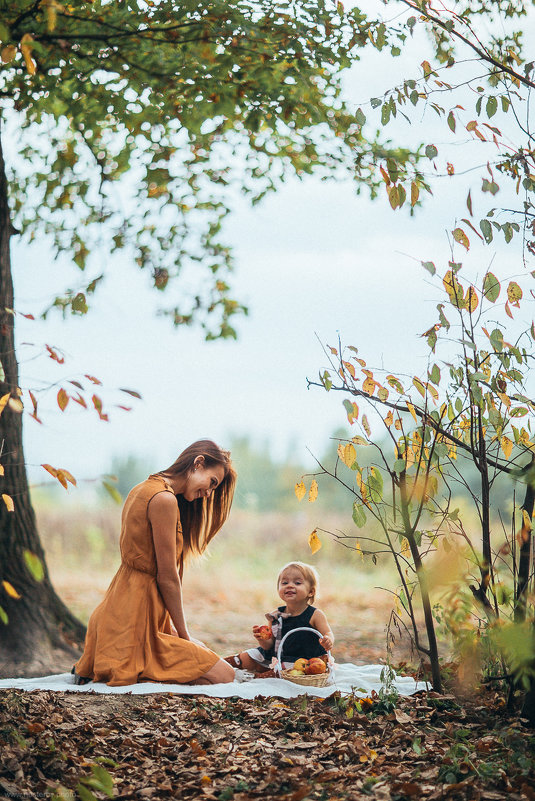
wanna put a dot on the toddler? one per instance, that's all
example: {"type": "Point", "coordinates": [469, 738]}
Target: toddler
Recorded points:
{"type": "Point", "coordinates": [297, 586]}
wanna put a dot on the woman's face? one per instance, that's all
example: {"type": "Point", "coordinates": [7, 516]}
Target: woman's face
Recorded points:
{"type": "Point", "coordinates": [202, 481]}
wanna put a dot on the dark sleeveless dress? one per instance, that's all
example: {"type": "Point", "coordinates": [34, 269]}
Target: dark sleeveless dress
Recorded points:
{"type": "Point", "coordinates": [299, 645]}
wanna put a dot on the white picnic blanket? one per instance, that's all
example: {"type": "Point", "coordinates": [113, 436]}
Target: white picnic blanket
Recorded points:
{"type": "Point", "coordinates": [347, 678]}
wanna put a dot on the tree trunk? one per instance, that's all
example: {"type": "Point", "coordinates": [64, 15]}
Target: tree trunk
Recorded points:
{"type": "Point", "coordinates": [38, 623]}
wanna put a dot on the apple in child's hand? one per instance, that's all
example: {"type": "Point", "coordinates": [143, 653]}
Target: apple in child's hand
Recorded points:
{"type": "Point", "coordinates": [300, 665]}
{"type": "Point", "coordinates": [264, 632]}
{"type": "Point", "coordinates": [315, 665]}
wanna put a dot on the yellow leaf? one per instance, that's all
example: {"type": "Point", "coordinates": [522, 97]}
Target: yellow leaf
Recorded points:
{"type": "Point", "coordinates": [369, 386]}
{"type": "Point", "coordinates": [313, 492]}
{"type": "Point", "coordinates": [454, 289]}
{"type": "Point", "coordinates": [526, 524]}
{"type": "Point", "coordinates": [1, 469]}
{"type": "Point", "coordinates": [506, 446]}
{"type": "Point", "coordinates": [16, 405]}
{"type": "Point", "coordinates": [366, 425]}
{"type": "Point", "coordinates": [62, 399]}
{"type": "Point", "coordinates": [10, 589]}
{"type": "Point", "coordinates": [412, 410]}
{"type": "Point", "coordinates": [3, 401]}
{"type": "Point", "coordinates": [460, 236]}
{"type": "Point", "coordinates": [347, 454]}
{"type": "Point", "coordinates": [397, 424]}
{"type": "Point", "coordinates": [359, 550]}
{"type": "Point", "coordinates": [514, 294]}
{"type": "Point", "coordinates": [415, 193]}
{"type": "Point", "coordinates": [382, 393]}
{"type": "Point", "coordinates": [314, 541]}
{"type": "Point", "coordinates": [299, 489]}
{"type": "Point", "coordinates": [50, 469]}
{"type": "Point", "coordinates": [8, 500]}
{"type": "Point", "coordinates": [405, 547]}
{"type": "Point", "coordinates": [471, 300]}
{"type": "Point", "coordinates": [26, 50]}
{"type": "Point", "coordinates": [389, 419]}
{"type": "Point", "coordinates": [452, 453]}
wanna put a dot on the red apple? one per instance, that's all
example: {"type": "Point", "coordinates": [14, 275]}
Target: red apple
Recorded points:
{"type": "Point", "coordinates": [315, 665]}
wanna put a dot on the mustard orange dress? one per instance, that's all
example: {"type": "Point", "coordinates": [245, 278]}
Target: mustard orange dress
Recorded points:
{"type": "Point", "coordinates": [129, 637]}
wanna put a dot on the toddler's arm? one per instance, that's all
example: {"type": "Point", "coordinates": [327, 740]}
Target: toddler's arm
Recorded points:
{"type": "Point", "coordinates": [320, 622]}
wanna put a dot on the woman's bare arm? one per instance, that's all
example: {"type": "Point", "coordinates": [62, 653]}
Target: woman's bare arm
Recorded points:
{"type": "Point", "coordinates": [163, 516]}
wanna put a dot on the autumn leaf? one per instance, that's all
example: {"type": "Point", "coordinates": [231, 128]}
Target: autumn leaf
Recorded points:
{"type": "Point", "coordinates": [314, 541]}
{"type": "Point", "coordinates": [389, 419]}
{"type": "Point", "coordinates": [313, 491]}
{"type": "Point", "coordinates": [369, 386]}
{"type": "Point", "coordinates": [366, 425]}
{"type": "Point", "coordinates": [63, 399]}
{"type": "Point", "coordinates": [3, 401]}
{"type": "Point", "coordinates": [347, 454]}
{"type": "Point", "coordinates": [300, 490]}
{"type": "Point", "coordinates": [514, 294]}
{"type": "Point", "coordinates": [8, 500]}
{"type": "Point", "coordinates": [471, 300]}
{"type": "Point", "coordinates": [412, 410]}
{"type": "Point", "coordinates": [506, 446]}
{"type": "Point", "coordinates": [460, 236]}
{"type": "Point", "coordinates": [10, 589]}
{"type": "Point", "coordinates": [26, 50]}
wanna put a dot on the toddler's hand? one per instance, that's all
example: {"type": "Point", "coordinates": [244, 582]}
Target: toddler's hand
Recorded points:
{"type": "Point", "coordinates": [262, 633]}
{"type": "Point", "coordinates": [327, 642]}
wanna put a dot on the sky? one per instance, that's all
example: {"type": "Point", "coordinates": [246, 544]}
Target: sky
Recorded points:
{"type": "Point", "coordinates": [314, 262]}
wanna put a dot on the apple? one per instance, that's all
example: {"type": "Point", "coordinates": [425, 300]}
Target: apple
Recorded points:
{"type": "Point", "coordinates": [300, 665]}
{"type": "Point", "coordinates": [315, 665]}
{"type": "Point", "coordinates": [294, 672]}
{"type": "Point", "coordinates": [264, 632]}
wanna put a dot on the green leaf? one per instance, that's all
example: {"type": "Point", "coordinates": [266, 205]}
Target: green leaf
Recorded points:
{"type": "Point", "coordinates": [3, 616]}
{"type": "Point", "coordinates": [399, 465]}
{"type": "Point", "coordinates": [131, 392]}
{"type": "Point", "coordinates": [375, 484]}
{"type": "Point", "coordinates": [359, 516]}
{"type": "Point", "coordinates": [434, 375]}
{"type": "Point", "coordinates": [491, 287]}
{"type": "Point", "coordinates": [113, 492]}
{"type": "Point", "coordinates": [360, 117]}
{"type": "Point", "coordinates": [78, 303]}
{"type": "Point", "coordinates": [34, 565]}
{"type": "Point", "coordinates": [492, 106]}
{"type": "Point", "coordinates": [451, 121]}
{"type": "Point", "coordinates": [85, 793]}
{"type": "Point", "coordinates": [486, 230]}
{"type": "Point", "coordinates": [429, 266]}
{"type": "Point", "coordinates": [431, 152]}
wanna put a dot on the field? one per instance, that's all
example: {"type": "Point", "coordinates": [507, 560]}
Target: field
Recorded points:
{"type": "Point", "coordinates": [229, 590]}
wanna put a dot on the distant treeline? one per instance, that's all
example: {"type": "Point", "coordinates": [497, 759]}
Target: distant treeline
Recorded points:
{"type": "Point", "coordinates": [266, 483]}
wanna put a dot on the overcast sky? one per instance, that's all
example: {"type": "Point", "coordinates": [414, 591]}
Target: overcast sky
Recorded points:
{"type": "Point", "coordinates": [313, 262]}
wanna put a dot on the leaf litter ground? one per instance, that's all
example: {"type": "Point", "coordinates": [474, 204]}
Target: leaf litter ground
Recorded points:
{"type": "Point", "coordinates": [68, 746]}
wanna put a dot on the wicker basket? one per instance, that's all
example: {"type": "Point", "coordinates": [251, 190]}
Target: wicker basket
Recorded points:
{"type": "Point", "coordinates": [314, 680]}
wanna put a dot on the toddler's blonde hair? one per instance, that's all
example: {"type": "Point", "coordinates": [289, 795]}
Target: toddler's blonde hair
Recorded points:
{"type": "Point", "coordinates": [310, 575]}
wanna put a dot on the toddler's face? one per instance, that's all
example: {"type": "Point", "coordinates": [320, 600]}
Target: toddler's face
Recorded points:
{"type": "Point", "coordinates": [293, 587]}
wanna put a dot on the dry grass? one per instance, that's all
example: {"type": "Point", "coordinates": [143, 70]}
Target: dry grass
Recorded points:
{"type": "Point", "coordinates": [229, 590]}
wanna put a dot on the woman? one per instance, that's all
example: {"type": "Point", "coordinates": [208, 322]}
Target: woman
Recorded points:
{"type": "Point", "coordinates": [139, 631]}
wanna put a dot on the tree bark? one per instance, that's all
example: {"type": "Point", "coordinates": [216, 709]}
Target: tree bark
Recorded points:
{"type": "Point", "coordinates": [38, 623]}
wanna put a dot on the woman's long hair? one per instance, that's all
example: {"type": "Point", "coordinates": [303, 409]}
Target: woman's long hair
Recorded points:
{"type": "Point", "coordinates": [203, 517]}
